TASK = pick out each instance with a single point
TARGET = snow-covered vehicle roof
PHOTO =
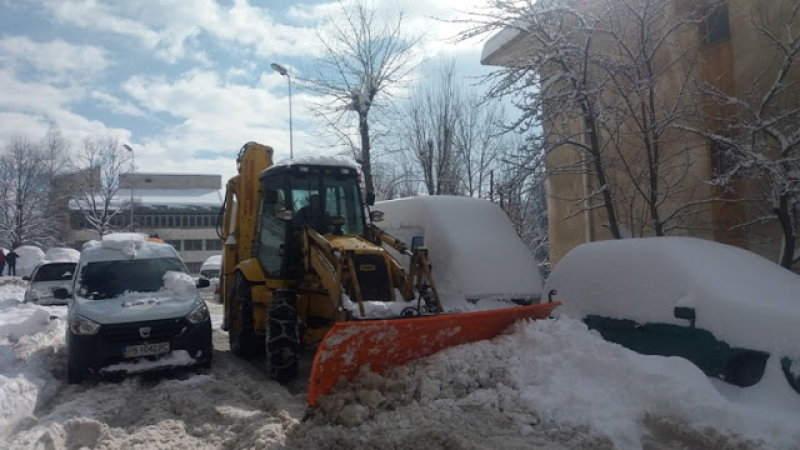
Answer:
(126, 246)
(62, 254)
(212, 262)
(474, 250)
(742, 298)
(316, 160)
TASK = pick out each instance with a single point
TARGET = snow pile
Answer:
(29, 257)
(645, 279)
(37, 322)
(473, 248)
(127, 243)
(549, 384)
(130, 245)
(29, 336)
(62, 254)
(180, 285)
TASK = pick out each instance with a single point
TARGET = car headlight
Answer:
(83, 326)
(199, 314)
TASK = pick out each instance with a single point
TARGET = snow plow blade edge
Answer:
(384, 344)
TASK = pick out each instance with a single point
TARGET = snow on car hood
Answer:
(178, 298)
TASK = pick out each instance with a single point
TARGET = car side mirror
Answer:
(685, 312)
(203, 282)
(370, 198)
(61, 293)
(26, 278)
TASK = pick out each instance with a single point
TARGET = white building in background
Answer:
(182, 209)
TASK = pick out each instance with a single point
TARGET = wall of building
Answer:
(170, 181)
(191, 229)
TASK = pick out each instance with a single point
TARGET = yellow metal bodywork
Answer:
(328, 260)
(239, 219)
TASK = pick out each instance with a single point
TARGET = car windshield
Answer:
(108, 279)
(55, 272)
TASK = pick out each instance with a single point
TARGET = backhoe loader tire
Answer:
(283, 336)
(241, 333)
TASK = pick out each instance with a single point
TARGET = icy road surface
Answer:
(549, 384)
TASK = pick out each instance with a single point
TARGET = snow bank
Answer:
(473, 248)
(28, 335)
(62, 254)
(29, 257)
(548, 384)
(744, 299)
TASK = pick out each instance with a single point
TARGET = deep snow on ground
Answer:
(546, 384)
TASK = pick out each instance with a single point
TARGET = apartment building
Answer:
(729, 53)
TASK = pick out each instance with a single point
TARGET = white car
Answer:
(133, 301)
(211, 267)
(45, 279)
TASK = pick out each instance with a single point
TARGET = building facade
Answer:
(728, 53)
(181, 209)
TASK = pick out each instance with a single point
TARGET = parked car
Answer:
(132, 299)
(45, 279)
(211, 267)
(727, 310)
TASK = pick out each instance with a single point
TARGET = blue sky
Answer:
(185, 83)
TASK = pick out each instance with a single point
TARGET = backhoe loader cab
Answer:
(326, 199)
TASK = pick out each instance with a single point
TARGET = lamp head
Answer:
(278, 68)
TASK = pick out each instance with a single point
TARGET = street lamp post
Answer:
(282, 70)
(133, 168)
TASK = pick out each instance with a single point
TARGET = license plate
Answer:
(133, 351)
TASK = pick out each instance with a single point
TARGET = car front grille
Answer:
(129, 333)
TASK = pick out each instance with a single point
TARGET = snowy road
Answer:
(548, 385)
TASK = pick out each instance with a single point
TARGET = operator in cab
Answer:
(314, 215)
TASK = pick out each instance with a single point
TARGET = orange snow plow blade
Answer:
(384, 344)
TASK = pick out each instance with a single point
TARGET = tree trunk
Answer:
(788, 241)
(366, 165)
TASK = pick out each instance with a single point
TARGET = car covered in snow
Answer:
(211, 267)
(45, 279)
(732, 313)
(132, 307)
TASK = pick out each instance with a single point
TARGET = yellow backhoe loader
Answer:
(303, 261)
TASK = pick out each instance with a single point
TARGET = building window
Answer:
(715, 27)
(723, 158)
(213, 244)
(175, 243)
(192, 244)
(194, 267)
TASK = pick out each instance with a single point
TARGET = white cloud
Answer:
(217, 114)
(171, 28)
(34, 96)
(213, 110)
(57, 60)
(116, 105)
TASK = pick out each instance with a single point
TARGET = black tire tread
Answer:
(242, 339)
(283, 336)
